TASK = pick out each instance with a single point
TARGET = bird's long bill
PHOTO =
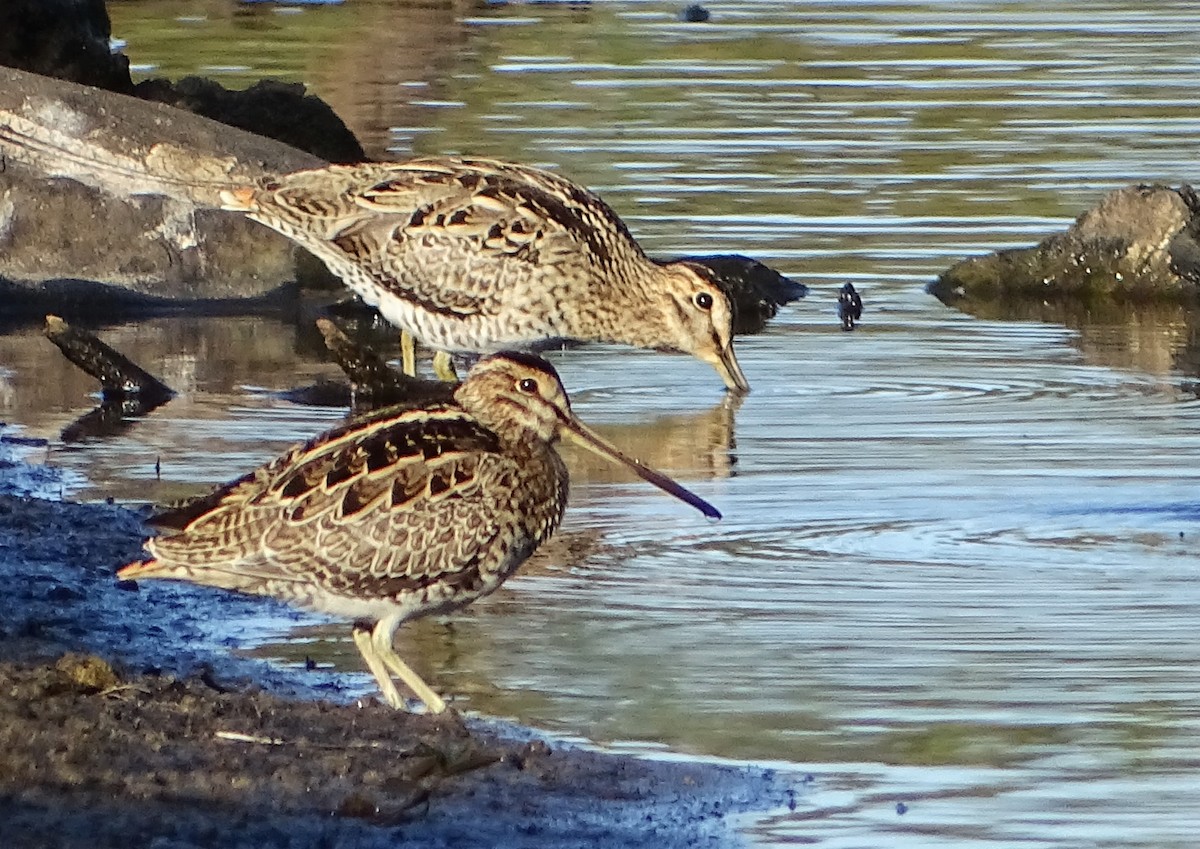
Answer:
(727, 366)
(582, 435)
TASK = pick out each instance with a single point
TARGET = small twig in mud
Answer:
(238, 737)
(423, 760)
(120, 689)
(420, 771)
(119, 376)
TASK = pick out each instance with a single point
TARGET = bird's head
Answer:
(520, 395)
(699, 319)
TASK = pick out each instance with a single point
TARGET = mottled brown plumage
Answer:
(465, 254)
(478, 255)
(403, 513)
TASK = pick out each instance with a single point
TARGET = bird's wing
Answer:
(379, 504)
(449, 234)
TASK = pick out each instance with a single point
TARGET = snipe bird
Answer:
(471, 255)
(477, 255)
(406, 512)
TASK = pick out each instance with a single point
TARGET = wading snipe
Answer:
(480, 255)
(406, 512)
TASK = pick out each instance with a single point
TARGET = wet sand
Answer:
(116, 731)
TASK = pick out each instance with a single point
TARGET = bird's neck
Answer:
(642, 308)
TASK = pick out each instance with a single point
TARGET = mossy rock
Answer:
(1138, 244)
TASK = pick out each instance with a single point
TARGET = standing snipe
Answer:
(406, 512)
(478, 255)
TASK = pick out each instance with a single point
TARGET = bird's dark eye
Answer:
(703, 300)
(528, 386)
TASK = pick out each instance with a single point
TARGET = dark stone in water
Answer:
(695, 14)
(281, 111)
(850, 306)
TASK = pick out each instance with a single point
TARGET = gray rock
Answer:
(108, 197)
(71, 40)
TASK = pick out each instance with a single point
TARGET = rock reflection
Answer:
(1156, 338)
(379, 80)
(110, 417)
(234, 376)
(213, 354)
(376, 62)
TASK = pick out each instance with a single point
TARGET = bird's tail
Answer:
(141, 569)
(240, 198)
(164, 169)
(255, 575)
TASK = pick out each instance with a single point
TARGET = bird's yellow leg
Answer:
(362, 639)
(443, 367)
(381, 639)
(408, 353)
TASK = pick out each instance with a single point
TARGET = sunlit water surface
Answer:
(955, 572)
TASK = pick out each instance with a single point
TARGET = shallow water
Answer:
(956, 566)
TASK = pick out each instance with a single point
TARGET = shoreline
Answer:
(122, 727)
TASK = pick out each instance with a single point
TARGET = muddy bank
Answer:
(121, 726)
(92, 758)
